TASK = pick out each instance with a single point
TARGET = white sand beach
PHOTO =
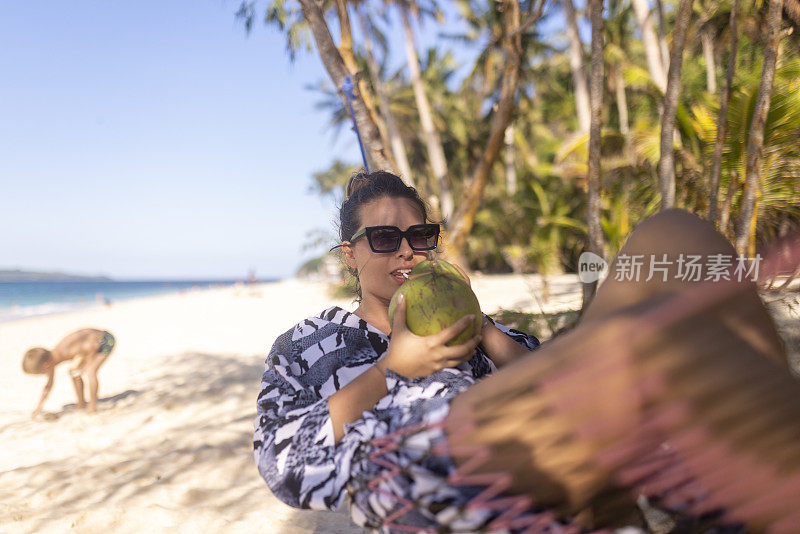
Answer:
(170, 448)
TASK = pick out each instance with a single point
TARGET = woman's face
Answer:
(380, 274)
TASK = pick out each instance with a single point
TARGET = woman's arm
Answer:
(347, 404)
(501, 348)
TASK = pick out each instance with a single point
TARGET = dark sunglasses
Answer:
(388, 238)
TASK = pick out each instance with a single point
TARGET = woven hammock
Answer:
(673, 403)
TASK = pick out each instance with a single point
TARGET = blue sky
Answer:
(150, 139)
(155, 139)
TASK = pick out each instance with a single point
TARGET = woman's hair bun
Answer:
(356, 182)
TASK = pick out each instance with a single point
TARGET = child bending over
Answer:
(87, 348)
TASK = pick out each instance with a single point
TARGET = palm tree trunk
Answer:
(622, 102)
(707, 42)
(334, 64)
(346, 50)
(503, 114)
(595, 132)
(666, 164)
(747, 218)
(662, 35)
(652, 50)
(722, 118)
(725, 213)
(345, 36)
(395, 139)
(624, 128)
(432, 141)
(792, 8)
(576, 63)
(465, 217)
(510, 161)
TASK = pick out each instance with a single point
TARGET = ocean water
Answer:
(28, 299)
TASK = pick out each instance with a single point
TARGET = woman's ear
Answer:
(349, 257)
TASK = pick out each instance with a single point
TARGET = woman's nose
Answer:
(405, 249)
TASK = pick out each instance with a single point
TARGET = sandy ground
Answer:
(170, 447)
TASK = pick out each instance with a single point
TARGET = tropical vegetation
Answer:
(571, 122)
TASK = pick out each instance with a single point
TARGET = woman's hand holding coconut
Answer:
(409, 355)
(416, 356)
(435, 296)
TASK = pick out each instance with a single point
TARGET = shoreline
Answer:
(17, 312)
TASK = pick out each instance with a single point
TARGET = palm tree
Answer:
(593, 174)
(511, 123)
(437, 70)
(510, 160)
(429, 132)
(707, 42)
(616, 55)
(655, 64)
(513, 30)
(709, 17)
(395, 139)
(311, 19)
(485, 71)
(666, 166)
(722, 116)
(779, 187)
(745, 232)
(374, 148)
(348, 55)
(577, 64)
(662, 35)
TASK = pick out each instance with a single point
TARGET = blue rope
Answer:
(348, 91)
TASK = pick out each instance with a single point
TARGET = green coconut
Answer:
(438, 295)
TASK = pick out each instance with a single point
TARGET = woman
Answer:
(347, 413)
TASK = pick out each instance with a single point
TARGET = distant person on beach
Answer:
(87, 349)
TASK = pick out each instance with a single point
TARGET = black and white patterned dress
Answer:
(304, 467)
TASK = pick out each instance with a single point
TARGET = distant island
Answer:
(18, 275)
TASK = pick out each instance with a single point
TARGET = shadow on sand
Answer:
(182, 441)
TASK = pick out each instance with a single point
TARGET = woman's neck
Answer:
(376, 313)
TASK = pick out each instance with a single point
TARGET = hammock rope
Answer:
(347, 89)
